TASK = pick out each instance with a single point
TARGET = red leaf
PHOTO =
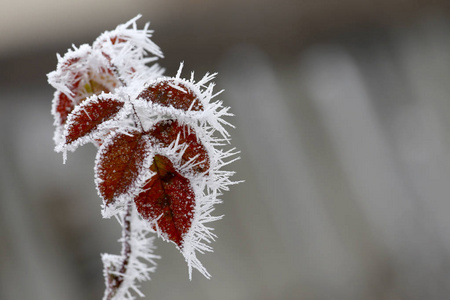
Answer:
(165, 132)
(169, 199)
(118, 164)
(166, 94)
(63, 107)
(86, 118)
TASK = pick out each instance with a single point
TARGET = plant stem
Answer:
(137, 119)
(116, 275)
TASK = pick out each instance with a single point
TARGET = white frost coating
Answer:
(76, 61)
(128, 49)
(140, 261)
(129, 32)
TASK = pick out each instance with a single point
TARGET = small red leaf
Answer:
(118, 164)
(63, 107)
(169, 199)
(171, 93)
(165, 132)
(87, 117)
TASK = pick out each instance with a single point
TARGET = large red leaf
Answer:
(165, 132)
(86, 118)
(171, 93)
(118, 164)
(169, 199)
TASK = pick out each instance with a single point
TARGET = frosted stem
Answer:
(138, 120)
(116, 277)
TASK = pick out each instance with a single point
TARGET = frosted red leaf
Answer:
(86, 118)
(165, 132)
(63, 107)
(169, 199)
(118, 164)
(179, 97)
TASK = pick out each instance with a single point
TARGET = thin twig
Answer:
(116, 277)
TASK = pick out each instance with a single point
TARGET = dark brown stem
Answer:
(136, 117)
(116, 275)
(115, 70)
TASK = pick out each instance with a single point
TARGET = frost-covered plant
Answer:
(159, 164)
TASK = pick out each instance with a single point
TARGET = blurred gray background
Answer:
(343, 120)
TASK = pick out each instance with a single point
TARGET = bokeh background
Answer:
(342, 111)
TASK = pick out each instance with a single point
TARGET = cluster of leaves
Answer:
(159, 163)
